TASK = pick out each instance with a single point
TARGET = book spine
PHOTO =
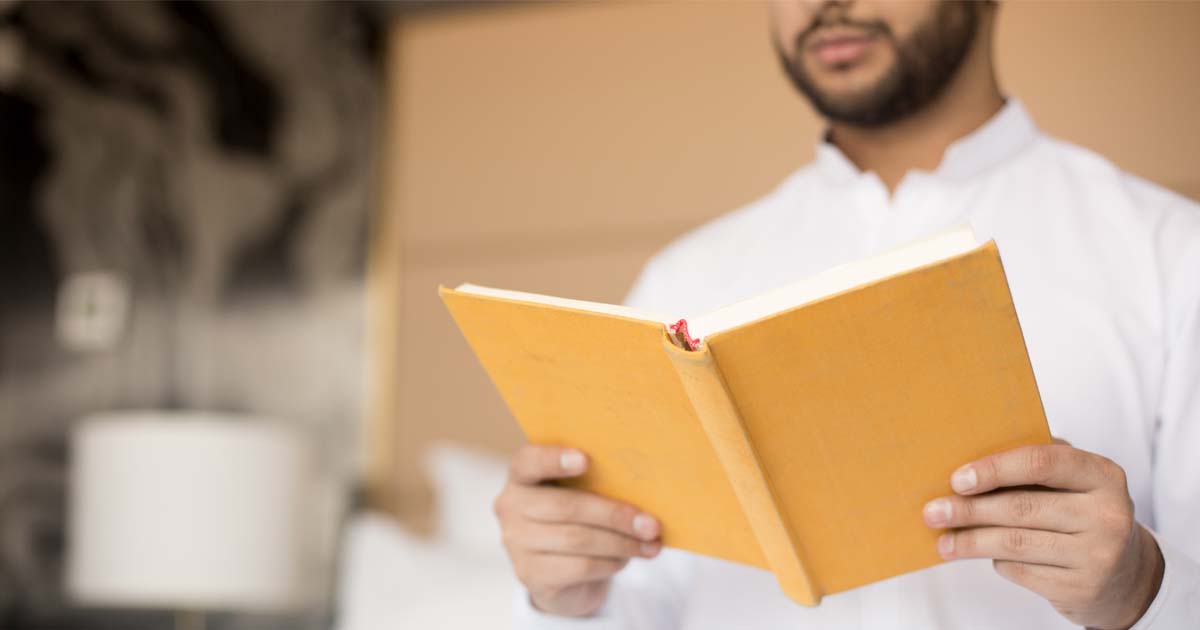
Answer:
(718, 414)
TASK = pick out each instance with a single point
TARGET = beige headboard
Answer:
(554, 147)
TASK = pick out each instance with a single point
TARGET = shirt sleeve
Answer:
(651, 286)
(1176, 477)
(647, 594)
(1177, 605)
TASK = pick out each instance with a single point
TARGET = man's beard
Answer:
(925, 63)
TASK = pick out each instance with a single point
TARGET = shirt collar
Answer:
(996, 141)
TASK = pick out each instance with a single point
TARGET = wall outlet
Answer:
(93, 310)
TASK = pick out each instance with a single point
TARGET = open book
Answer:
(802, 430)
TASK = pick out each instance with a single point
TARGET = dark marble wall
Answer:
(184, 191)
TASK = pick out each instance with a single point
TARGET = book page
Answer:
(823, 284)
(579, 305)
(835, 280)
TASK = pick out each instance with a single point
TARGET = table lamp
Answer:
(191, 512)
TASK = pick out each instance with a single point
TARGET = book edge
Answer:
(444, 291)
(989, 246)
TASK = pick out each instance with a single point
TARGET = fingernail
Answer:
(964, 479)
(645, 526)
(572, 461)
(650, 549)
(945, 546)
(937, 512)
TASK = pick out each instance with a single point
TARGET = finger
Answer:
(553, 569)
(1010, 543)
(564, 505)
(535, 463)
(1054, 466)
(580, 540)
(1030, 509)
(1038, 578)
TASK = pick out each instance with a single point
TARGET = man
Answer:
(1105, 275)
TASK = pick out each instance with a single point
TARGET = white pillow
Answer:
(394, 580)
(466, 482)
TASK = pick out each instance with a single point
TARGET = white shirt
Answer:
(1104, 270)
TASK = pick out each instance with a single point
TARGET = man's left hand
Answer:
(1059, 522)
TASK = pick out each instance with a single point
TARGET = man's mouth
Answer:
(837, 47)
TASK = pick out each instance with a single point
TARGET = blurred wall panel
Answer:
(1121, 78)
(554, 147)
(580, 125)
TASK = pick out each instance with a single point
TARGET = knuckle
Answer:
(1115, 472)
(1119, 475)
(575, 538)
(517, 464)
(1019, 570)
(1039, 462)
(564, 507)
(528, 463)
(1118, 521)
(965, 542)
(1104, 557)
(1127, 506)
(990, 469)
(584, 568)
(621, 516)
(1022, 506)
(1105, 464)
(525, 452)
(1123, 521)
(1015, 540)
(964, 511)
(1013, 570)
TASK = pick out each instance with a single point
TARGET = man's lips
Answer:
(832, 49)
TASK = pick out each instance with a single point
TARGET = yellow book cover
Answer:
(801, 431)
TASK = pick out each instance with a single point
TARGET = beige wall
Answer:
(553, 147)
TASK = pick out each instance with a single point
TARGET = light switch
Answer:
(93, 308)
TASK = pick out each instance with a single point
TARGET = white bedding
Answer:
(393, 580)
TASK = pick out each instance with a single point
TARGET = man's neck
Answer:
(919, 141)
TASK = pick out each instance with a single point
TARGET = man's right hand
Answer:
(566, 544)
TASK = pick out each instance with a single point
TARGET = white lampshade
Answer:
(186, 511)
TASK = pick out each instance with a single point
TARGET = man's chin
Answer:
(848, 102)
(866, 111)
(860, 101)
(857, 96)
